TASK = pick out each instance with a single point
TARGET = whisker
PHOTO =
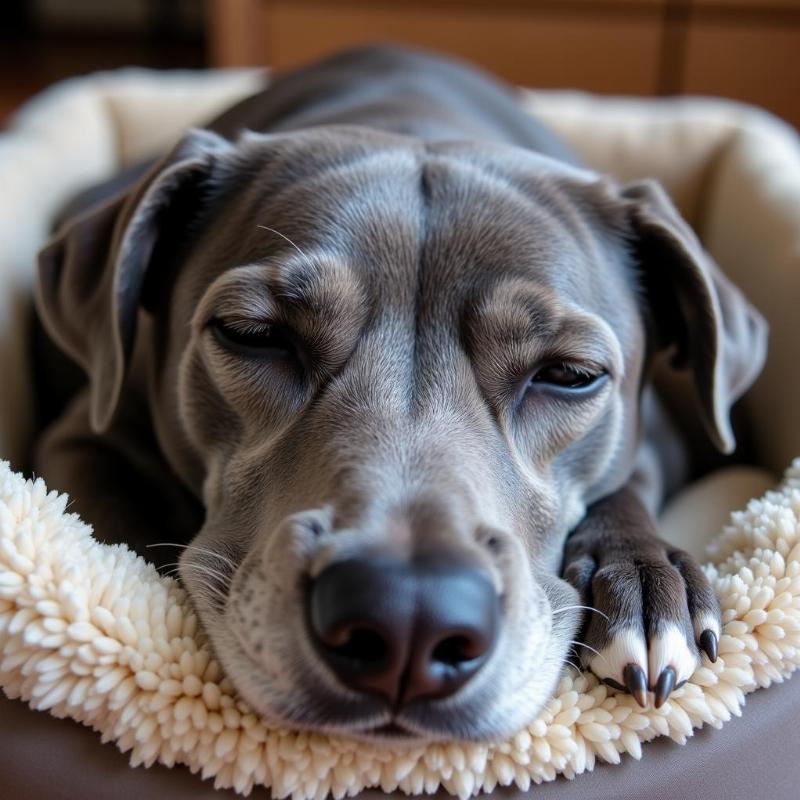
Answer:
(214, 599)
(218, 582)
(568, 663)
(169, 573)
(208, 571)
(586, 608)
(205, 550)
(209, 583)
(588, 647)
(212, 591)
(167, 544)
(287, 239)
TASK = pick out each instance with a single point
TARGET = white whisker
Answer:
(212, 591)
(587, 608)
(225, 579)
(287, 239)
(568, 663)
(198, 549)
(588, 647)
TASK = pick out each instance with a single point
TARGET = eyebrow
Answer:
(319, 297)
(280, 284)
(528, 318)
(518, 317)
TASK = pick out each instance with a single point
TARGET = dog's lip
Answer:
(391, 730)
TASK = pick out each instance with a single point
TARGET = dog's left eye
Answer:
(255, 339)
(563, 375)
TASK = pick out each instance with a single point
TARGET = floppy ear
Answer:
(718, 334)
(92, 272)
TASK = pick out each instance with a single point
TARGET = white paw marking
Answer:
(626, 647)
(705, 622)
(670, 649)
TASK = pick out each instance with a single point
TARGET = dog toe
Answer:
(701, 602)
(622, 664)
(670, 654)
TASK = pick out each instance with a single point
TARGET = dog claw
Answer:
(636, 683)
(708, 644)
(664, 685)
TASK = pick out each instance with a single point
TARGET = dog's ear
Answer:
(92, 272)
(696, 309)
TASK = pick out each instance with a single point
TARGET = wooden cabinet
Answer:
(756, 60)
(737, 48)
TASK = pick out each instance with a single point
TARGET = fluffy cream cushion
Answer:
(92, 632)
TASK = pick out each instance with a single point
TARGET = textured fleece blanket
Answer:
(93, 632)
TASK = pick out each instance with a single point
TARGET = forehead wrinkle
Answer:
(312, 282)
(366, 207)
(583, 335)
(296, 278)
(308, 288)
(536, 196)
(236, 293)
(323, 299)
(549, 188)
(517, 309)
(521, 320)
(498, 224)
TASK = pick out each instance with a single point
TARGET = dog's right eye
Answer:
(253, 339)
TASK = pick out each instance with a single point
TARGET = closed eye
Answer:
(565, 379)
(566, 376)
(254, 339)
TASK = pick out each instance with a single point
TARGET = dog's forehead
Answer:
(419, 230)
(501, 214)
(407, 214)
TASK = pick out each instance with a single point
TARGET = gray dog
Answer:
(380, 353)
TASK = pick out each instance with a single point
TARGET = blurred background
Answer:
(744, 49)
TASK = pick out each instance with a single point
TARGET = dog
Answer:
(392, 369)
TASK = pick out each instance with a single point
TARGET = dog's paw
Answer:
(650, 612)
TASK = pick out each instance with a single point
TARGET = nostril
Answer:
(361, 645)
(359, 620)
(455, 650)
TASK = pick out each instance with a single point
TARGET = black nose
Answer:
(404, 630)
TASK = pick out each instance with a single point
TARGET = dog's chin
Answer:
(390, 735)
(397, 736)
(477, 723)
(298, 696)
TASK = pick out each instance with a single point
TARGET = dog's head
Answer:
(396, 374)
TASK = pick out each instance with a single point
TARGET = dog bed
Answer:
(91, 631)
(737, 179)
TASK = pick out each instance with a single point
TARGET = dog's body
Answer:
(392, 350)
